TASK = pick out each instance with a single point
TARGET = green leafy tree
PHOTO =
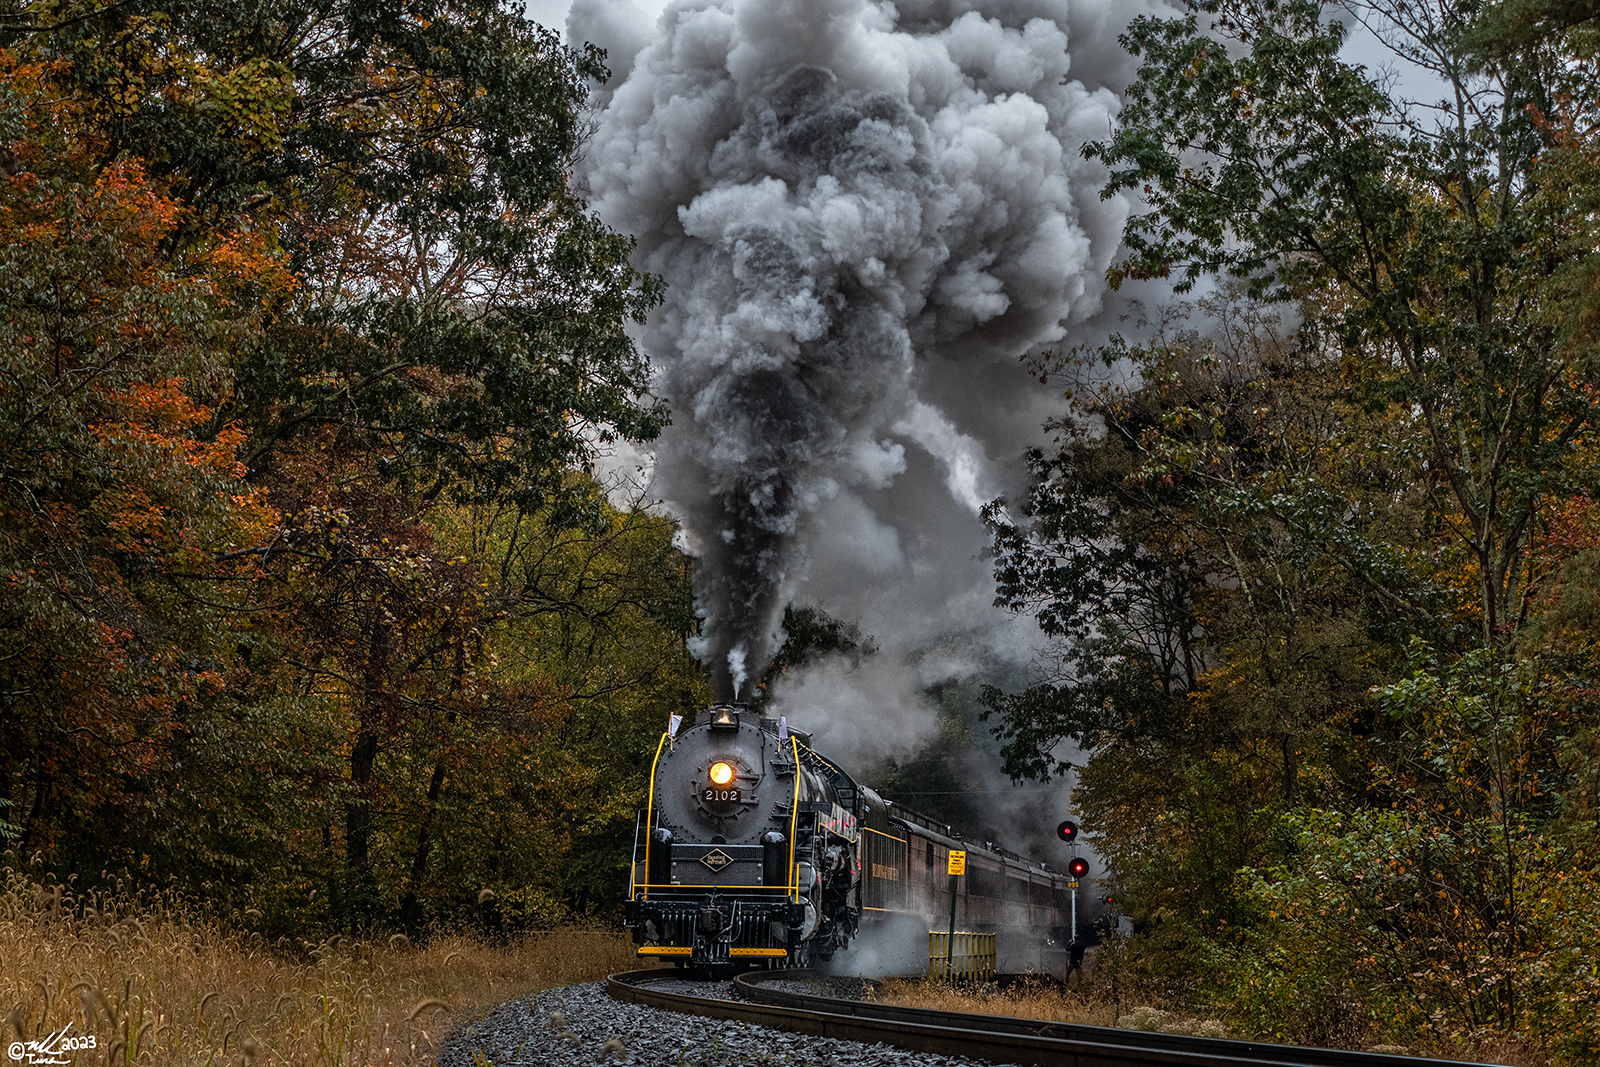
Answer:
(1266, 157)
(536, 786)
(1392, 501)
(1204, 551)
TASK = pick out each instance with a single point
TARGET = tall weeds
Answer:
(1028, 1000)
(153, 981)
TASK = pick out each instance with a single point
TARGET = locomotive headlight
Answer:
(721, 772)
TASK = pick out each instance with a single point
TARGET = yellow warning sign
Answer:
(958, 861)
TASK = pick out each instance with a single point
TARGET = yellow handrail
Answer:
(705, 885)
(649, 817)
(794, 821)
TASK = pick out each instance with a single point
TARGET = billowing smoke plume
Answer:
(866, 212)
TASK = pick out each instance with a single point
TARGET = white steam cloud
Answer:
(865, 212)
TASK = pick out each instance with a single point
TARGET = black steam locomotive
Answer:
(755, 849)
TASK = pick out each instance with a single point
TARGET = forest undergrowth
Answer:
(154, 980)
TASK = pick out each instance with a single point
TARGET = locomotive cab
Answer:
(748, 852)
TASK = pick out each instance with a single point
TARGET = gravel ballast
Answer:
(580, 1024)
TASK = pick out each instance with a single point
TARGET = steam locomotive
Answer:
(755, 850)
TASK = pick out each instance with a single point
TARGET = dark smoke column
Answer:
(833, 189)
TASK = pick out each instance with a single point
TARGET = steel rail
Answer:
(997, 1039)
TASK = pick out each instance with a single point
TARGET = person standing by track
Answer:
(1075, 950)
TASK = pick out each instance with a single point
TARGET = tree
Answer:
(1386, 520)
(125, 517)
(584, 630)
(1290, 168)
(1203, 550)
(1209, 526)
(396, 310)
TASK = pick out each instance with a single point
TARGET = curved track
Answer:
(998, 1039)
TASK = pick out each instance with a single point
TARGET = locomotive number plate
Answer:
(724, 795)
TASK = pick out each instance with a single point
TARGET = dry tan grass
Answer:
(1090, 1005)
(153, 984)
(1023, 1001)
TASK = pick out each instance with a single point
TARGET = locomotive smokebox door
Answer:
(726, 788)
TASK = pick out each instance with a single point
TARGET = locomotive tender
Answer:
(755, 850)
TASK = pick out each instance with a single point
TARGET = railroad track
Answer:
(996, 1038)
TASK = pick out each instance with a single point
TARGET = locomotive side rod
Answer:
(997, 1039)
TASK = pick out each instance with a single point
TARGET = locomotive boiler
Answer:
(754, 850)
(748, 849)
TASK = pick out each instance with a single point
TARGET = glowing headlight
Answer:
(721, 773)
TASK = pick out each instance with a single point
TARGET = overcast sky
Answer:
(553, 13)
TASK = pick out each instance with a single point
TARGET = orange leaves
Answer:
(98, 224)
(118, 204)
(115, 334)
(123, 200)
(152, 444)
(163, 405)
(248, 257)
(1574, 526)
(27, 85)
(125, 519)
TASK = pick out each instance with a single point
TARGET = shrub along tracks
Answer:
(998, 1039)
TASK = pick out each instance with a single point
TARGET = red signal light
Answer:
(1078, 867)
(1067, 831)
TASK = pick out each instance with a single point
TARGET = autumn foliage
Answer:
(1316, 544)
(119, 488)
(308, 597)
